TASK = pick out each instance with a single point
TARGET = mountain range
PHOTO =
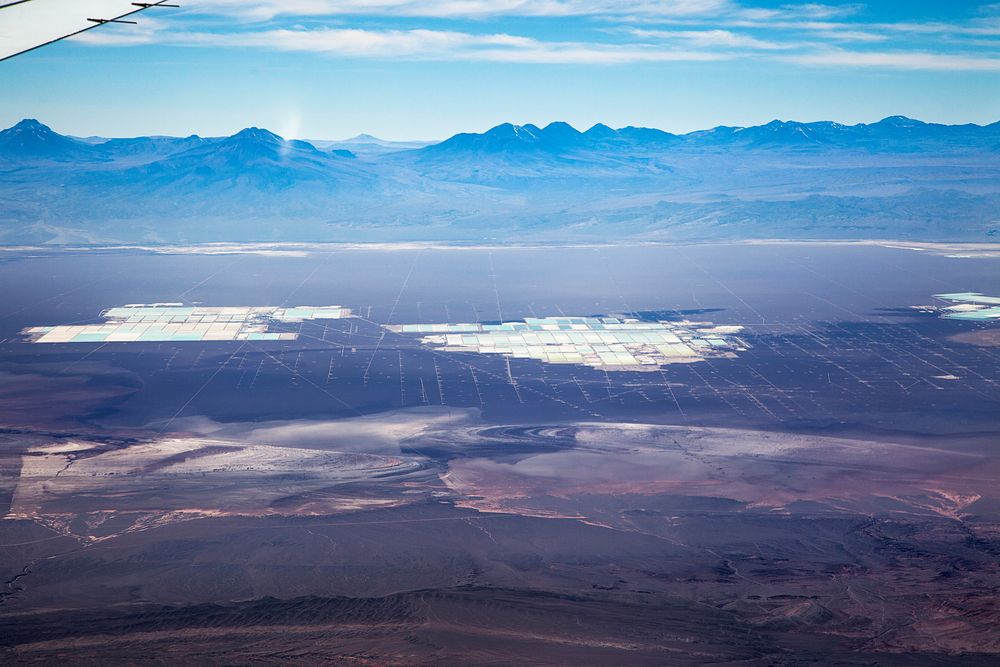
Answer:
(898, 178)
(896, 133)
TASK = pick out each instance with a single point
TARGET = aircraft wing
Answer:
(26, 25)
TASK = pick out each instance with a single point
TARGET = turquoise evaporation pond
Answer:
(148, 312)
(531, 324)
(971, 297)
(90, 338)
(979, 315)
(163, 337)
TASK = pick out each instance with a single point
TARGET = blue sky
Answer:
(417, 69)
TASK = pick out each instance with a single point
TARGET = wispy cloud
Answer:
(268, 9)
(899, 60)
(422, 44)
(629, 31)
(851, 36)
(713, 39)
(147, 31)
(809, 11)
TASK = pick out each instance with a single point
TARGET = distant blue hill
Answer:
(30, 140)
(894, 134)
(145, 148)
(257, 158)
(896, 178)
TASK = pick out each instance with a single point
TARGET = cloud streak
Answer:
(723, 39)
(628, 32)
(420, 44)
(269, 9)
(899, 60)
